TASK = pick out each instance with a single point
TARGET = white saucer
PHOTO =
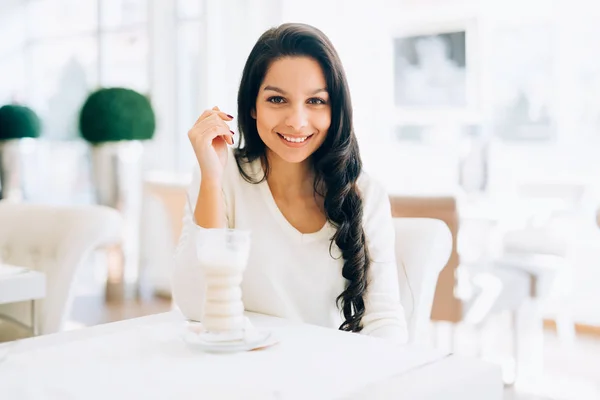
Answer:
(250, 339)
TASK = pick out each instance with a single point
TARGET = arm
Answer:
(209, 137)
(205, 209)
(210, 206)
(384, 315)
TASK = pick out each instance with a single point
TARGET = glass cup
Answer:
(223, 256)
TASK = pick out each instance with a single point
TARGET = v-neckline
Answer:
(326, 230)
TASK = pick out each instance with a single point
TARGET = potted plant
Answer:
(19, 127)
(116, 121)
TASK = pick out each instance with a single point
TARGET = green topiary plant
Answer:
(114, 114)
(18, 122)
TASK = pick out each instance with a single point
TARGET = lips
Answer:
(294, 141)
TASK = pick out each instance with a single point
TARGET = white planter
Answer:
(17, 169)
(118, 182)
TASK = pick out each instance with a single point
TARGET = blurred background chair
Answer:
(517, 258)
(164, 205)
(55, 240)
(446, 306)
(423, 247)
(543, 246)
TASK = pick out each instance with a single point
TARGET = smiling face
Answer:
(293, 111)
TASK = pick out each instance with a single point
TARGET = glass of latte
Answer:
(223, 255)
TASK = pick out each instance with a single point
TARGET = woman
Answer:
(322, 234)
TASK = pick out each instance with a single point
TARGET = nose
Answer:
(297, 118)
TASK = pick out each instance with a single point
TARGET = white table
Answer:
(21, 284)
(145, 358)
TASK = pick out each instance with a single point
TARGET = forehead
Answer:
(295, 74)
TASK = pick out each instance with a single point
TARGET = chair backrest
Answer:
(446, 305)
(171, 191)
(423, 247)
(55, 240)
(165, 202)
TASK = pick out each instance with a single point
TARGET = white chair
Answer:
(55, 240)
(423, 247)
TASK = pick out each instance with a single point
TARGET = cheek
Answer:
(265, 117)
(322, 121)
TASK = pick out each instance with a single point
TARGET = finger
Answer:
(203, 116)
(211, 132)
(212, 120)
(215, 119)
(224, 115)
(207, 113)
(228, 139)
(218, 124)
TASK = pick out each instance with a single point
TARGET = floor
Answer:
(570, 372)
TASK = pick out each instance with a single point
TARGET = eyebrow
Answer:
(279, 90)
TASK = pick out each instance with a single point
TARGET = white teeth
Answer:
(295, 140)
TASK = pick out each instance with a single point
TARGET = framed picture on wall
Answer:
(436, 71)
(430, 70)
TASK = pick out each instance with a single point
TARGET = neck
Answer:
(289, 180)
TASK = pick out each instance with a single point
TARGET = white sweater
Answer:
(290, 274)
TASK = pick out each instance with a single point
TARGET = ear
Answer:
(253, 113)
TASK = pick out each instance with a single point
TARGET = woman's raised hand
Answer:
(209, 137)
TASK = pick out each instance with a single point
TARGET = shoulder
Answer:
(374, 195)
(377, 219)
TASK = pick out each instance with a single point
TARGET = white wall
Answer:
(363, 37)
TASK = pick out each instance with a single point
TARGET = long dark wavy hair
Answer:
(337, 163)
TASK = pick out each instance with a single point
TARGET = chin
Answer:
(294, 156)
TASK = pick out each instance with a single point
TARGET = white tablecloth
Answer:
(146, 358)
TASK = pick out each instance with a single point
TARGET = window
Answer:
(118, 14)
(125, 60)
(61, 18)
(63, 72)
(188, 77)
(61, 50)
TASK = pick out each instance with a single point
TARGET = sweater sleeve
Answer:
(384, 315)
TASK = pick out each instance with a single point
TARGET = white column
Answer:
(161, 153)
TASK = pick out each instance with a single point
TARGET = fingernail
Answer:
(230, 116)
(232, 132)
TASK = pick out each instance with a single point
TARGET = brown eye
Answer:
(316, 101)
(276, 100)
